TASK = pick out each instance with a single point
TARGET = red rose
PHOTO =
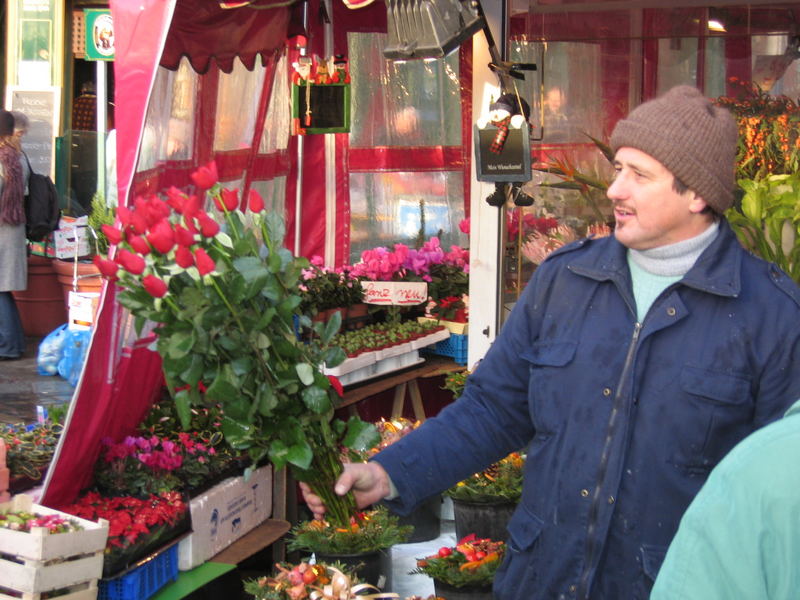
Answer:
(229, 200)
(157, 210)
(132, 263)
(139, 244)
(206, 176)
(161, 237)
(183, 236)
(113, 234)
(184, 257)
(108, 268)
(191, 206)
(256, 201)
(189, 223)
(176, 199)
(337, 385)
(208, 226)
(124, 215)
(155, 287)
(138, 222)
(205, 264)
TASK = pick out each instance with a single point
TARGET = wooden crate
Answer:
(40, 545)
(35, 562)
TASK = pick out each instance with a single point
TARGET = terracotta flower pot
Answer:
(88, 280)
(41, 306)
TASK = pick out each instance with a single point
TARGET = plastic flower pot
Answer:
(450, 592)
(484, 520)
(370, 567)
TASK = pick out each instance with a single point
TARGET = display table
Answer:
(401, 381)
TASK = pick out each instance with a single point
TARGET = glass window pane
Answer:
(385, 209)
(274, 194)
(411, 103)
(677, 63)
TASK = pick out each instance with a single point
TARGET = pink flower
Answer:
(463, 225)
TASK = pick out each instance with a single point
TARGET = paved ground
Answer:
(22, 388)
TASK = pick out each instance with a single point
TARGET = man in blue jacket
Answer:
(630, 366)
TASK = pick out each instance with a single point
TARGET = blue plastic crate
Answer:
(455, 346)
(143, 581)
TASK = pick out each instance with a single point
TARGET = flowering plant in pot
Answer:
(364, 545)
(224, 299)
(501, 481)
(484, 503)
(323, 288)
(299, 582)
(471, 563)
(137, 526)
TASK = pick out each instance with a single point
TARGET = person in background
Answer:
(13, 246)
(629, 367)
(740, 536)
(84, 108)
(21, 126)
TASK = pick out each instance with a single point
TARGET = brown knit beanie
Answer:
(691, 137)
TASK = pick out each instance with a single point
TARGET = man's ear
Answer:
(696, 204)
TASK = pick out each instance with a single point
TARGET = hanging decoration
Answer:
(321, 95)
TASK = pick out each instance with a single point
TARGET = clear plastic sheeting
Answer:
(238, 97)
(396, 103)
(386, 208)
(169, 125)
(279, 113)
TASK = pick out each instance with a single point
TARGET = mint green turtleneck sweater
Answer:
(653, 270)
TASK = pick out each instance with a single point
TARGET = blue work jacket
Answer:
(622, 420)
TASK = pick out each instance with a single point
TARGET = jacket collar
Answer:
(717, 271)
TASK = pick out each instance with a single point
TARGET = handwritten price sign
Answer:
(403, 293)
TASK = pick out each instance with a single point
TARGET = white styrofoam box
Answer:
(67, 244)
(225, 513)
(40, 544)
(82, 309)
(69, 224)
(430, 339)
(402, 293)
(351, 364)
(395, 350)
(381, 367)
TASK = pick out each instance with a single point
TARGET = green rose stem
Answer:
(322, 474)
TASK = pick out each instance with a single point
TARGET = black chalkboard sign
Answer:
(330, 108)
(42, 109)
(513, 163)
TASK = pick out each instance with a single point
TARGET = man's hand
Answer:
(369, 483)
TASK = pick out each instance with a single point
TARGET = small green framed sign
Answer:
(320, 108)
(99, 34)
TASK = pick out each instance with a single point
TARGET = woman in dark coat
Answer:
(13, 259)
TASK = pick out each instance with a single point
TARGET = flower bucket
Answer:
(426, 520)
(450, 592)
(484, 520)
(373, 567)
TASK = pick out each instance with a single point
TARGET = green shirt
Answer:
(740, 537)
